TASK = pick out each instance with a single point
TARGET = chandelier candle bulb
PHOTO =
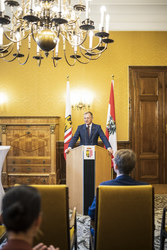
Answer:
(2, 6)
(87, 9)
(37, 49)
(59, 5)
(17, 46)
(102, 10)
(107, 23)
(18, 38)
(75, 43)
(57, 47)
(29, 39)
(32, 4)
(90, 39)
(73, 15)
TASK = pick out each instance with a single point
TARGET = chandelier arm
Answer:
(90, 59)
(93, 59)
(33, 35)
(23, 38)
(7, 54)
(15, 15)
(6, 46)
(91, 50)
(55, 64)
(84, 39)
(26, 58)
(14, 41)
(79, 44)
(68, 61)
(83, 62)
(9, 39)
(11, 59)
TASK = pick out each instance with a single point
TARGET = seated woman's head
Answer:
(21, 206)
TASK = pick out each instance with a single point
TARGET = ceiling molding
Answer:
(134, 15)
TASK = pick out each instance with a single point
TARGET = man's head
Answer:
(124, 161)
(88, 117)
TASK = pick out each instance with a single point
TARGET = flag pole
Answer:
(111, 121)
(68, 120)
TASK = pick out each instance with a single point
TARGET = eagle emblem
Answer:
(111, 126)
(68, 123)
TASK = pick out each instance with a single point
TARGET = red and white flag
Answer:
(68, 121)
(111, 125)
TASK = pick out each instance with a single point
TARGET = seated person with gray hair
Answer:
(21, 215)
(124, 163)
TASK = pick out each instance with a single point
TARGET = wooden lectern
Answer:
(86, 168)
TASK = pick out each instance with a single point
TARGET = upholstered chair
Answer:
(124, 218)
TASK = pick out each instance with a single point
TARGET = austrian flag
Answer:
(111, 125)
(68, 121)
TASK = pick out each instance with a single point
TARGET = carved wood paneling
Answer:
(32, 156)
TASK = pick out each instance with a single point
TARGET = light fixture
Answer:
(52, 24)
(81, 105)
(81, 99)
(3, 98)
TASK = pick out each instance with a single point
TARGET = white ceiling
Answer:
(128, 15)
(139, 15)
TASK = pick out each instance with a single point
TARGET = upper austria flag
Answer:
(68, 121)
(111, 125)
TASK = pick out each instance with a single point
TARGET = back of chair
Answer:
(124, 218)
(55, 216)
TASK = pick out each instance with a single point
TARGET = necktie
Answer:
(88, 130)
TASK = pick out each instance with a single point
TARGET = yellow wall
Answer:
(40, 91)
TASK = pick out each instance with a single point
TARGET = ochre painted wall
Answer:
(40, 91)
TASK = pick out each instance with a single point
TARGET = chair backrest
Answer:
(55, 216)
(124, 218)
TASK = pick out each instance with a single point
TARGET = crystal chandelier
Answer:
(51, 23)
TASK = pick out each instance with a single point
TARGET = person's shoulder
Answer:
(142, 183)
(107, 183)
(133, 181)
(96, 125)
(81, 126)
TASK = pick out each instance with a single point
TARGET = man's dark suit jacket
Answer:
(96, 131)
(122, 180)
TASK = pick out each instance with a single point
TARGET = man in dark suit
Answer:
(89, 133)
(124, 163)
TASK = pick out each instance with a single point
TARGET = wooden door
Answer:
(148, 118)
